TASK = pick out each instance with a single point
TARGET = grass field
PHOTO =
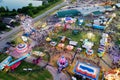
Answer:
(19, 74)
(80, 36)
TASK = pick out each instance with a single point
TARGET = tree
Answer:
(2, 9)
(19, 10)
(2, 27)
(13, 10)
(30, 13)
(7, 10)
(30, 5)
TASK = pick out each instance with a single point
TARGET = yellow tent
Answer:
(48, 39)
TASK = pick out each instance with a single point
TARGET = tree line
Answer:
(29, 10)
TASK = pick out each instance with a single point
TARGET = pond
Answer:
(15, 4)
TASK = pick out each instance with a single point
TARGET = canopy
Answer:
(48, 39)
(38, 53)
(24, 38)
(61, 45)
(69, 20)
(58, 25)
(89, 52)
(69, 47)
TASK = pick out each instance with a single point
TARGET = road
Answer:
(49, 11)
(8, 35)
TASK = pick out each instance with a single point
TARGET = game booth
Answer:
(87, 70)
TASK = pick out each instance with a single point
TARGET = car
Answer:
(8, 43)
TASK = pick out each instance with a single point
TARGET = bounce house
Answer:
(87, 70)
(62, 63)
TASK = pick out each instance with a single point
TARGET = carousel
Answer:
(20, 50)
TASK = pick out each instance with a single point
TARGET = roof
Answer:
(70, 12)
(74, 43)
(8, 20)
(118, 5)
(96, 13)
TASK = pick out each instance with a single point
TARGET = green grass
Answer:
(73, 0)
(81, 35)
(19, 74)
(18, 40)
(46, 9)
(3, 56)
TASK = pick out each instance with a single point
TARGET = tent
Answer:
(98, 27)
(61, 45)
(80, 21)
(48, 39)
(69, 47)
(69, 20)
(75, 32)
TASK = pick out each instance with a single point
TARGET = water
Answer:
(15, 4)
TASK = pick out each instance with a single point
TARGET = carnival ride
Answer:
(112, 74)
(103, 43)
(62, 63)
(7, 65)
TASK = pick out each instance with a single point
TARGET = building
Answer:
(8, 20)
(69, 12)
(117, 5)
(95, 10)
